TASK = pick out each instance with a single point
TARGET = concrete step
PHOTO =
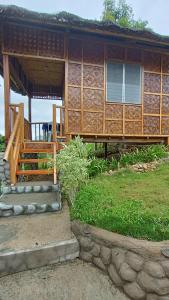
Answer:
(22, 260)
(31, 187)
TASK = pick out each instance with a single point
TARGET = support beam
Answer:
(6, 75)
(29, 109)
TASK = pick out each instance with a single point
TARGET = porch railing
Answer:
(16, 139)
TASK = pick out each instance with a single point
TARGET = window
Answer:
(124, 83)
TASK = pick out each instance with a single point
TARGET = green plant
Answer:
(72, 163)
(97, 166)
(2, 143)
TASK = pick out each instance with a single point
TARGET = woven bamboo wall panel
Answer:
(114, 111)
(151, 125)
(114, 127)
(165, 125)
(25, 40)
(134, 55)
(134, 127)
(74, 74)
(165, 81)
(152, 83)
(165, 63)
(133, 112)
(115, 52)
(74, 97)
(165, 105)
(92, 122)
(93, 99)
(151, 104)
(74, 121)
(152, 61)
(75, 50)
(93, 76)
(93, 53)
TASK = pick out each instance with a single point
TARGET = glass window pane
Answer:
(114, 82)
(132, 83)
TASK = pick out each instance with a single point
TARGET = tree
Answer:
(121, 14)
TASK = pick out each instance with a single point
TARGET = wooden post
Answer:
(6, 75)
(105, 150)
(29, 109)
(54, 123)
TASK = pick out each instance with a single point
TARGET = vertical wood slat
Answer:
(61, 121)
(54, 167)
(105, 76)
(142, 92)
(82, 67)
(66, 83)
(6, 74)
(35, 132)
(54, 123)
(161, 94)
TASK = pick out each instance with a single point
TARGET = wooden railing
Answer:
(58, 127)
(16, 139)
(38, 133)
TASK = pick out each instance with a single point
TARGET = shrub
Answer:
(2, 143)
(72, 163)
(97, 166)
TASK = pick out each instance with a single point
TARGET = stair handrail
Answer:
(14, 144)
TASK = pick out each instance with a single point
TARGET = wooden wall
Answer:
(87, 111)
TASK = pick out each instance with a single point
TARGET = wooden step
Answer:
(35, 172)
(36, 151)
(33, 160)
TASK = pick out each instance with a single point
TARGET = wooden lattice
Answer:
(165, 82)
(26, 40)
(92, 122)
(114, 126)
(165, 125)
(134, 127)
(115, 52)
(74, 121)
(133, 112)
(74, 74)
(151, 104)
(93, 76)
(93, 99)
(165, 105)
(165, 63)
(151, 125)
(114, 111)
(152, 83)
(74, 97)
(93, 53)
(75, 50)
(152, 61)
(134, 55)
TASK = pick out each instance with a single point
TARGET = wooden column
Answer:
(6, 75)
(29, 109)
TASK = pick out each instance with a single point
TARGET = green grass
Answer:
(133, 204)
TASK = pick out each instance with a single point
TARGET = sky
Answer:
(154, 11)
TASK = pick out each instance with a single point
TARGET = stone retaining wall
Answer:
(4, 170)
(140, 268)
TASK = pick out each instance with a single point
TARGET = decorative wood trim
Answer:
(6, 74)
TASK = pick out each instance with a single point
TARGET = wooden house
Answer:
(113, 82)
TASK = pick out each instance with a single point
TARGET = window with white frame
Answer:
(123, 83)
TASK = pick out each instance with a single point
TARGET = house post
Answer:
(29, 109)
(6, 75)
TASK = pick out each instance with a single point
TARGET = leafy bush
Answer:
(2, 143)
(97, 166)
(72, 163)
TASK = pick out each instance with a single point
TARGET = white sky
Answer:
(154, 11)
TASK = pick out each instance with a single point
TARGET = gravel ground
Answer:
(71, 281)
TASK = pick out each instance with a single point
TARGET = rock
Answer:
(20, 189)
(40, 208)
(134, 291)
(86, 256)
(18, 209)
(45, 188)
(4, 206)
(7, 213)
(28, 189)
(134, 260)
(164, 297)
(37, 188)
(6, 190)
(127, 273)
(154, 269)
(165, 265)
(95, 250)
(98, 262)
(55, 206)
(86, 243)
(30, 209)
(152, 284)
(118, 257)
(115, 276)
(152, 297)
(165, 252)
(1, 169)
(105, 255)
(55, 188)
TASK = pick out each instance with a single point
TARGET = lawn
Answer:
(133, 204)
